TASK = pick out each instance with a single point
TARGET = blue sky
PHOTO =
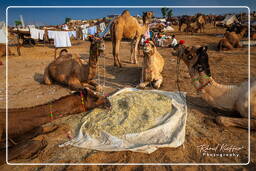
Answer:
(56, 16)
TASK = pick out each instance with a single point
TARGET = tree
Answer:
(67, 20)
(169, 13)
(17, 23)
(164, 11)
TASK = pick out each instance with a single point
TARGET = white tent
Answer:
(229, 19)
(2, 32)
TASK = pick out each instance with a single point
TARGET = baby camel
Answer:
(226, 97)
(72, 72)
(152, 66)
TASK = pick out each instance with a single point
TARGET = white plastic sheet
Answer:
(168, 132)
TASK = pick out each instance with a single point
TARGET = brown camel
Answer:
(26, 123)
(225, 97)
(231, 40)
(200, 21)
(127, 26)
(72, 71)
(152, 66)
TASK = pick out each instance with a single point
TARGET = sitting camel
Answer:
(72, 71)
(127, 26)
(231, 40)
(225, 97)
(152, 66)
(26, 123)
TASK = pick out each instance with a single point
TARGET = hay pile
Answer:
(131, 112)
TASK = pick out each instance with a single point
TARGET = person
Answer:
(174, 42)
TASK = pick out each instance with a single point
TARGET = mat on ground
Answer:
(168, 129)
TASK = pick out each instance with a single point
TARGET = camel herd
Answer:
(80, 76)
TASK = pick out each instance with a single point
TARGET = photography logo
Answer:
(220, 150)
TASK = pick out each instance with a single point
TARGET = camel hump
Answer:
(126, 13)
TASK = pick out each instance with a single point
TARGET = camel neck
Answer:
(220, 96)
(22, 120)
(92, 71)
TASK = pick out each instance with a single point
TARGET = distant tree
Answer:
(169, 13)
(164, 11)
(17, 23)
(67, 20)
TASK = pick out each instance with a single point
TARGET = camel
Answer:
(224, 97)
(200, 21)
(26, 123)
(152, 66)
(231, 40)
(72, 71)
(127, 26)
(185, 19)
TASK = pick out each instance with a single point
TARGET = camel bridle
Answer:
(178, 83)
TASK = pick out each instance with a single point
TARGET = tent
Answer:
(2, 32)
(229, 19)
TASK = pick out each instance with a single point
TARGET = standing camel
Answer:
(200, 21)
(225, 97)
(72, 72)
(127, 26)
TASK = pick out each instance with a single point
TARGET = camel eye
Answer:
(190, 57)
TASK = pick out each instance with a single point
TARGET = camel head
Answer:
(196, 59)
(149, 48)
(94, 99)
(97, 47)
(147, 16)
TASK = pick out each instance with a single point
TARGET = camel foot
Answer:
(99, 88)
(142, 85)
(49, 129)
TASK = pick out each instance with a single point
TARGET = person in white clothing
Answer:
(174, 42)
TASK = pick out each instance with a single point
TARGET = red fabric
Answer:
(146, 41)
(182, 42)
(1, 63)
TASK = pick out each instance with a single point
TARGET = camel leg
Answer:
(132, 51)
(114, 51)
(158, 82)
(74, 83)
(143, 84)
(136, 50)
(117, 49)
(47, 79)
(89, 86)
(97, 86)
(235, 122)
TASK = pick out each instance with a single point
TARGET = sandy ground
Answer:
(230, 67)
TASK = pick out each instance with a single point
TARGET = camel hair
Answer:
(72, 71)
(127, 26)
(225, 97)
(152, 66)
(231, 40)
(26, 123)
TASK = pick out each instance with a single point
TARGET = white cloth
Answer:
(51, 34)
(34, 33)
(41, 34)
(102, 27)
(174, 42)
(3, 36)
(168, 132)
(61, 39)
